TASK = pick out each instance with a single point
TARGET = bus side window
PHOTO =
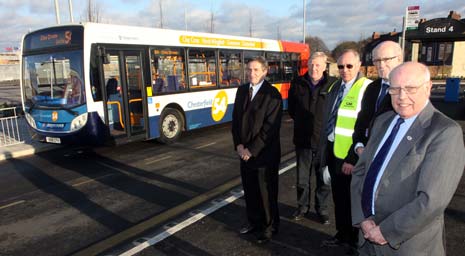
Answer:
(275, 73)
(230, 68)
(168, 71)
(202, 68)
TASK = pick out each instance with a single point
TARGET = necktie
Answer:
(384, 88)
(332, 117)
(373, 170)
(249, 98)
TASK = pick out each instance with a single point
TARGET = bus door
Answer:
(124, 83)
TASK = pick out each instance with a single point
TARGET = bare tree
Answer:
(93, 11)
(316, 44)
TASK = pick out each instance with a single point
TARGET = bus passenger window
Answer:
(230, 68)
(202, 68)
(275, 73)
(168, 72)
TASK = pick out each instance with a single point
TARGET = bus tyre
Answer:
(171, 126)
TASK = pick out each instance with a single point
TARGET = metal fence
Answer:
(9, 128)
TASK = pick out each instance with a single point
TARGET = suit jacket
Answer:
(417, 184)
(306, 108)
(256, 124)
(330, 100)
(368, 113)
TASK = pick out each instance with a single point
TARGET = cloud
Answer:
(333, 21)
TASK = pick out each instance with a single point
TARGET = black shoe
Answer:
(247, 229)
(324, 219)
(262, 238)
(332, 242)
(298, 214)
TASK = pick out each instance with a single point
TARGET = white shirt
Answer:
(255, 88)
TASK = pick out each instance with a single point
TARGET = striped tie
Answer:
(332, 117)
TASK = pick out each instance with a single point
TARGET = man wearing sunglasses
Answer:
(342, 106)
(408, 172)
(386, 56)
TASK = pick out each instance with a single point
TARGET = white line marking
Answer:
(91, 180)
(157, 160)
(170, 231)
(206, 145)
(12, 204)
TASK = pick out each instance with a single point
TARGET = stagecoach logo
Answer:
(54, 116)
(219, 106)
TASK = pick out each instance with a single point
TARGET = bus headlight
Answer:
(30, 120)
(78, 122)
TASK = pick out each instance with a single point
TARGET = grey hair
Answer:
(318, 55)
(353, 51)
(261, 60)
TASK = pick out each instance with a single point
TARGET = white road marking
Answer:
(206, 145)
(91, 180)
(172, 230)
(157, 160)
(12, 204)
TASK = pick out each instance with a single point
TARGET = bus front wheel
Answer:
(171, 125)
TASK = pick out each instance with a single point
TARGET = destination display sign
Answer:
(213, 41)
(53, 37)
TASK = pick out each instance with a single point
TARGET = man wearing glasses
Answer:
(386, 56)
(408, 172)
(342, 106)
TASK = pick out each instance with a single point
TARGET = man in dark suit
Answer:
(342, 107)
(255, 129)
(386, 56)
(307, 97)
(408, 172)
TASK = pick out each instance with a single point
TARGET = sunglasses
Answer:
(348, 66)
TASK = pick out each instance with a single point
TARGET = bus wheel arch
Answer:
(172, 124)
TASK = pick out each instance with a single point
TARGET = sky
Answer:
(333, 21)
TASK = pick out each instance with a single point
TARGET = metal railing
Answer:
(9, 128)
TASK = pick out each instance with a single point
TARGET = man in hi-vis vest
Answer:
(342, 106)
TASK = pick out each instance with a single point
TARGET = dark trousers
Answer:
(261, 196)
(340, 186)
(305, 164)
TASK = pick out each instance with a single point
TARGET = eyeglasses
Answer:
(407, 89)
(348, 66)
(378, 61)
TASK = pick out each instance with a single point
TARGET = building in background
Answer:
(439, 43)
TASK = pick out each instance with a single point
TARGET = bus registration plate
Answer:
(54, 140)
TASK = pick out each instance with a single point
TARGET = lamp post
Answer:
(70, 4)
(57, 12)
(304, 19)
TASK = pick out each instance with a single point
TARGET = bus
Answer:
(95, 83)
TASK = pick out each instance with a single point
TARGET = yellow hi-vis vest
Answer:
(347, 116)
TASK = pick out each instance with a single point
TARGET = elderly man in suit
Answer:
(386, 56)
(408, 172)
(255, 129)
